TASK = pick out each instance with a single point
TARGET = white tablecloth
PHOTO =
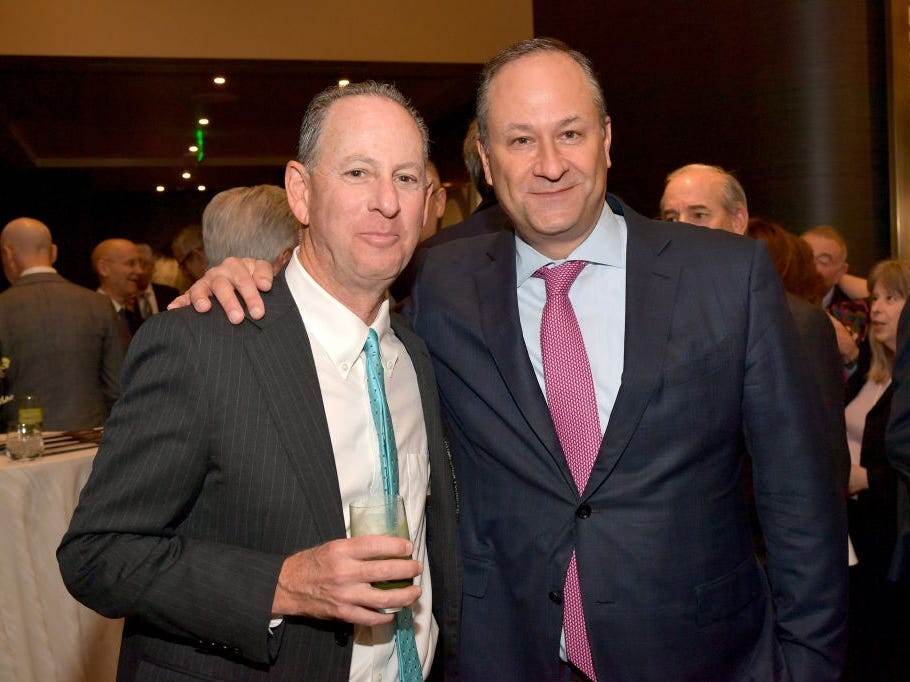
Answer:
(45, 634)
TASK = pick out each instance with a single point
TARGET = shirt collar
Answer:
(606, 245)
(337, 329)
(35, 269)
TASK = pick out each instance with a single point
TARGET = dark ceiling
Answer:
(130, 121)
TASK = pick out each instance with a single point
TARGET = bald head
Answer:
(705, 195)
(25, 243)
(119, 268)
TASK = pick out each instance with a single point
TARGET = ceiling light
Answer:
(186, 175)
(159, 188)
(219, 80)
(193, 148)
(343, 83)
(201, 188)
(203, 121)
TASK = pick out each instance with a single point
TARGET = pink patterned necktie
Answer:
(573, 406)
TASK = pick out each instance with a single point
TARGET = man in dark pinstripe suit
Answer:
(217, 524)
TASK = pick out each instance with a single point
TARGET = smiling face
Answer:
(119, 268)
(830, 258)
(696, 196)
(547, 150)
(362, 201)
(884, 314)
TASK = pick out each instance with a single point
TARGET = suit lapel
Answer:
(498, 303)
(281, 356)
(651, 286)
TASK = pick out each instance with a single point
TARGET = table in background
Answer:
(45, 634)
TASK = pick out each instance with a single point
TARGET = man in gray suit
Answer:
(217, 525)
(62, 339)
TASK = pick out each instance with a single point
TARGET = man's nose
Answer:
(550, 162)
(385, 197)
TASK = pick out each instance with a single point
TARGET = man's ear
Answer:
(53, 253)
(608, 138)
(439, 198)
(297, 184)
(486, 163)
(740, 220)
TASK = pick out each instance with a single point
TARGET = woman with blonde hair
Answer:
(877, 606)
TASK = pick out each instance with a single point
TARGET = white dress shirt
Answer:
(337, 337)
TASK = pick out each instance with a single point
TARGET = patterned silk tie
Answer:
(409, 668)
(573, 406)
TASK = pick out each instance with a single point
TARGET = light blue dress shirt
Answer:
(598, 297)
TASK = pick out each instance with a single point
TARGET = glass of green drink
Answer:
(381, 515)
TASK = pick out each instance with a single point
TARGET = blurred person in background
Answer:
(189, 253)
(119, 269)
(250, 221)
(879, 609)
(62, 340)
(152, 297)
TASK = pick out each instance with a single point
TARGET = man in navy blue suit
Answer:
(694, 359)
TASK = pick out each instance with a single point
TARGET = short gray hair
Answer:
(732, 195)
(254, 222)
(314, 118)
(522, 49)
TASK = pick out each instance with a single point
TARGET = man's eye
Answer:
(357, 173)
(407, 179)
(521, 140)
(571, 134)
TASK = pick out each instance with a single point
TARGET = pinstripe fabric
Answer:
(64, 347)
(215, 465)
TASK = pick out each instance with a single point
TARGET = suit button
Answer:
(583, 512)
(341, 638)
(555, 597)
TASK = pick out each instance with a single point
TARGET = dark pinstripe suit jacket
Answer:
(215, 465)
(64, 347)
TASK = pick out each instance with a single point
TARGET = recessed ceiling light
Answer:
(219, 80)
(186, 175)
(203, 121)
(193, 148)
(159, 188)
(201, 188)
(343, 83)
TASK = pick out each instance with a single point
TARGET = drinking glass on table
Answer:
(381, 515)
(23, 436)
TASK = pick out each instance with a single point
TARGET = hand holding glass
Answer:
(381, 515)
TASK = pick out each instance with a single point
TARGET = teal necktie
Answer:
(409, 668)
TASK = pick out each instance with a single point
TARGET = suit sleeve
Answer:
(124, 554)
(800, 506)
(111, 359)
(897, 440)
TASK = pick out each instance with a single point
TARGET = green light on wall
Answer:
(200, 143)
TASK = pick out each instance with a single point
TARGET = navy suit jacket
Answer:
(216, 464)
(670, 585)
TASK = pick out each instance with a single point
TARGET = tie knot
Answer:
(559, 278)
(371, 347)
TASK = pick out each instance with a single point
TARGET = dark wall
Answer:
(790, 94)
